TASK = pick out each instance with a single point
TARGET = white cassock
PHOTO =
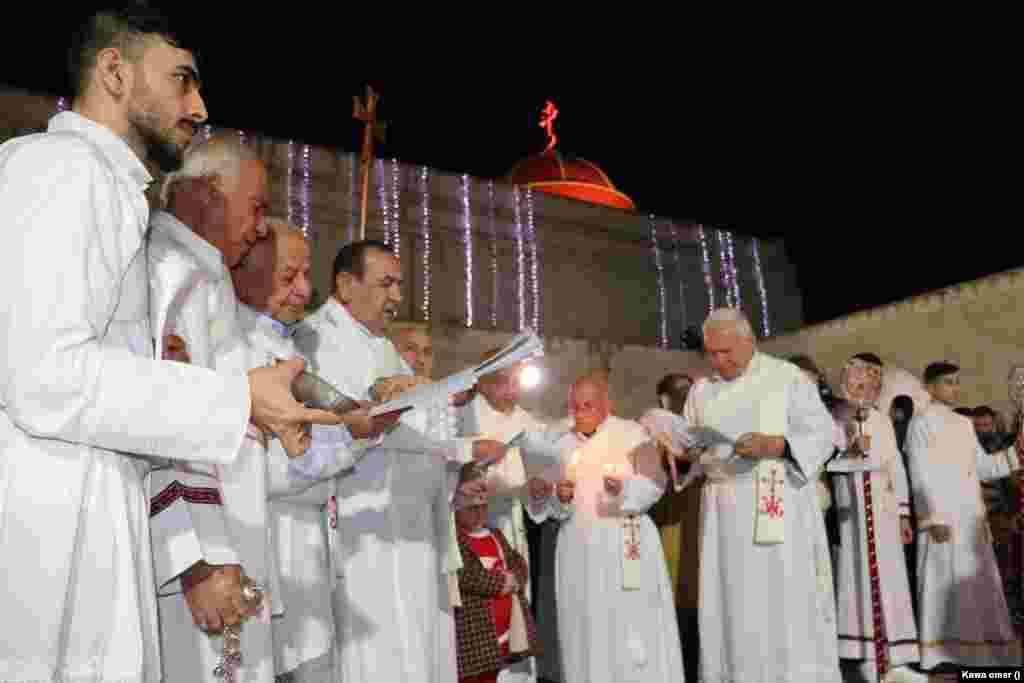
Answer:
(871, 554)
(963, 616)
(508, 479)
(299, 490)
(216, 514)
(393, 522)
(767, 610)
(80, 392)
(616, 610)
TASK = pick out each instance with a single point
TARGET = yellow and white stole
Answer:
(765, 383)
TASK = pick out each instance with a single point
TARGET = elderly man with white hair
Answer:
(767, 611)
(209, 524)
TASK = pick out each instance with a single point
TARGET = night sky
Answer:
(880, 172)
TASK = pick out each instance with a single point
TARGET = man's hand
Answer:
(612, 485)
(389, 388)
(484, 449)
(175, 348)
(539, 488)
(906, 531)
(940, 533)
(755, 445)
(275, 410)
(362, 426)
(214, 595)
(566, 491)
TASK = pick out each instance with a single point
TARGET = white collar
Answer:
(117, 151)
(262, 321)
(209, 257)
(338, 315)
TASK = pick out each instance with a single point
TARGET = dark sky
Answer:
(881, 168)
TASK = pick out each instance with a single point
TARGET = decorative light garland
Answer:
(534, 260)
(733, 272)
(766, 325)
(382, 199)
(206, 131)
(396, 211)
(425, 232)
(62, 105)
(520, 271)
(290, 209)
(307, 192)
(679, 274)
(709, 280)
(662, 318)
(467, 236)
(492, 215)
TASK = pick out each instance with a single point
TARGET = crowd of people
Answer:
(169, 511)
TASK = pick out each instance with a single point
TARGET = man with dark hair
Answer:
(963, 614)
(393, 510)
(84, 401)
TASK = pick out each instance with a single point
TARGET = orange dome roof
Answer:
(569, 177)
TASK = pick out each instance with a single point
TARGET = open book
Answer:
(524, 346)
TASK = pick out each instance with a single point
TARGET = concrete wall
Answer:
(575, 270)
(977, 325)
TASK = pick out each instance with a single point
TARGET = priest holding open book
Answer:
(767, 611)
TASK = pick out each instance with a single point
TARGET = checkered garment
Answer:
(475, 632)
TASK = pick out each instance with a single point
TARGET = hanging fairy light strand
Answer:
(382, 199)
(520, 271)
(534, 260)
(396, 240)
(467, 236)
(307, 192)
(289, 199)
(766, 324)
(62, 105)
(709, 280)
(660, 270)
(733, 271)
(723, 269)
(425, 232)
(492, 219)
(679, 274)
(353, 196)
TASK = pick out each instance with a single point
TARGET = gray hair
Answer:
(729, 319)
(219, 157)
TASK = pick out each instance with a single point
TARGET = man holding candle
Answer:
(616, 615)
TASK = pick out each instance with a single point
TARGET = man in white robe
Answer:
(494, 413)
(209, 524)
(273, 286)
(393, 510)
(616, 610)
(84, 401)
(877, 638)
(767, 607)
(963, 616)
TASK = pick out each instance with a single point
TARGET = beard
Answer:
(160, 140)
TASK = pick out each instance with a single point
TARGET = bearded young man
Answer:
(84, 400)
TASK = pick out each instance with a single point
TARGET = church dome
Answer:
(575, 178)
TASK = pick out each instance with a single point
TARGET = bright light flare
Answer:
(530, 376)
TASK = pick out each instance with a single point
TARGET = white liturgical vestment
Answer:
(750, 590)
(214, 514)
(299, 490)
(962, 610)
(610, 632)
(871, 553)
(80, 392)
(393, 522)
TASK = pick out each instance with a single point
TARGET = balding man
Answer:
(616, 612)
(767, 609)
(274, 288)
